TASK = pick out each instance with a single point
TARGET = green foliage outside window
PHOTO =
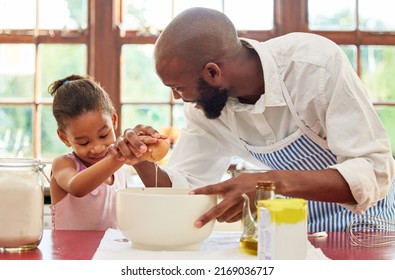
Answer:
(144, 98)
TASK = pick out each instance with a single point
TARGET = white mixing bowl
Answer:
(163, 218)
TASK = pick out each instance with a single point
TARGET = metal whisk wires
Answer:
(370, 231)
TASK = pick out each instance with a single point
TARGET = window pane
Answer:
(62, 14)
(387, 116)
(378, 71)
(151, 15)
(351, 52)
(178, 116)
(16, 131)
(57, 61)
(146, 15)
(51, 145)
(331, 15)
(12, 16)
(17, 70)
(139, 79)
(157, 116)
(173, 131)
(250, 14)
(377, 15)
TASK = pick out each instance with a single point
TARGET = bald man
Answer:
(292, 105)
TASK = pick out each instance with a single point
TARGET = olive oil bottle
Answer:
(265, 190)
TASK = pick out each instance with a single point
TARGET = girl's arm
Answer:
(81, 183)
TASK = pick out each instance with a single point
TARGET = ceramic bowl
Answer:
(162, 218)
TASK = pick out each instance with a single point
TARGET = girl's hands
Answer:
(133, 144)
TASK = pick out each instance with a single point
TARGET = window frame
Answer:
(104, 39)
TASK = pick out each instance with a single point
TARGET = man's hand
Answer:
(231, 207)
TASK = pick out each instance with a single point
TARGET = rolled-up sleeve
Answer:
(356, 135)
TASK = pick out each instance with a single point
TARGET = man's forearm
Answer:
(320, 185)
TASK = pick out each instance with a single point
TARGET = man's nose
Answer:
(176, 95)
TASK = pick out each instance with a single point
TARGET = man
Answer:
(292, 104)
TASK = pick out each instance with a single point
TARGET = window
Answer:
(144, 99)
(366, 31)
(112, 40)
(39, 44)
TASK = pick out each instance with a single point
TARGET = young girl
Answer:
(83, 183)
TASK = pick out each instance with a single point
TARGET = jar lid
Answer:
(19, 162)
(265, 185)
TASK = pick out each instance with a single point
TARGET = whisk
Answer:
(381, 232)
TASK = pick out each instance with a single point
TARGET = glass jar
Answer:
(21, 203)
(264, 190)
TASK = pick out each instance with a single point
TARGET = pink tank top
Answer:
(95, 211)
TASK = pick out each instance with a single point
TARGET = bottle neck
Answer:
(264, 194)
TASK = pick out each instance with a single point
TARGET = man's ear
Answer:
(114, 118)
(62, 136)
(212, 74)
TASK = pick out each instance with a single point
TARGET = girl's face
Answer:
(90, 135)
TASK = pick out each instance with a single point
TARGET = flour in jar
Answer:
(21, 209)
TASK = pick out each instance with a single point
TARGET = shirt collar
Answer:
(273, 95)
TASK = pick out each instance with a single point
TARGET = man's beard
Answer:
(211, 99)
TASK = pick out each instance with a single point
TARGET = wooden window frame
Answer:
(104, 39)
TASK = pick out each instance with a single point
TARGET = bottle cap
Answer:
(265, 185)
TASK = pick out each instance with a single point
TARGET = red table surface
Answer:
(61, 245)
(82, 245)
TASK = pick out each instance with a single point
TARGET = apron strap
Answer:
(305, 129)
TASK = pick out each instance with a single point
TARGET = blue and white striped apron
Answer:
(305, 150)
